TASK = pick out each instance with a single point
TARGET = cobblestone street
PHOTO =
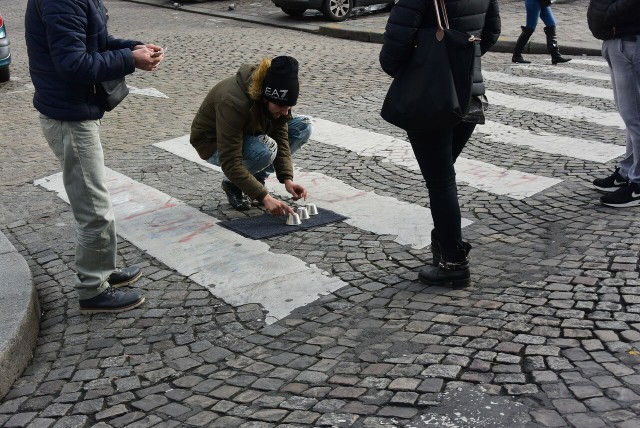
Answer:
(548, 334)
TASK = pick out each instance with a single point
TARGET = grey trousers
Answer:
(77, 146)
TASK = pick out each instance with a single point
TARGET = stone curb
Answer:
(367, 34)
(19, 315)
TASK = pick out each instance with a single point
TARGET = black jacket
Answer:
(480, 18)
(610, 19)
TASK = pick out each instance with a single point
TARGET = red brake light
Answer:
(1, 21)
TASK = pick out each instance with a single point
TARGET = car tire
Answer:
(293, 12)
(337, 10)
(4, 74)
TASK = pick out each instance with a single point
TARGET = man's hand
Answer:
(297, 191)
(142, 56)
(276, 207)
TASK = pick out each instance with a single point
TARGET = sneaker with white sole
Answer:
(625, 196)
(610, 183)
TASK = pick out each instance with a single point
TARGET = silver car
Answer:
(334, 10)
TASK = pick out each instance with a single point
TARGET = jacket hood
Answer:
(243, 77)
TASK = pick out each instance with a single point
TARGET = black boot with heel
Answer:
(552, 46)
(520, 44)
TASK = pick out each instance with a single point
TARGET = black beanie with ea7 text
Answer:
(280, 85)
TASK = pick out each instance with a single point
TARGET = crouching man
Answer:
(245, 126)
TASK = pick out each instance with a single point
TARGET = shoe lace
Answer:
(110, 292)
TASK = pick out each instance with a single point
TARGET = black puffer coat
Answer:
(480, 18)
(609, 19)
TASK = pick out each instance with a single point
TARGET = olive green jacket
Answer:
(226, 115)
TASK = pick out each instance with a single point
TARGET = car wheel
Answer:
(337, 10)
(293, 12)
(4, 74)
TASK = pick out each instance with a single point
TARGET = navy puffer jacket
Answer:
(480, 18)
(70, 51)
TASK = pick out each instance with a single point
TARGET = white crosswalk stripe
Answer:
(564, 111)
(550, 143)
(481, 175)
(601, 63)
(565, 71)
(549, 85)
(382, 215)
(238, 270)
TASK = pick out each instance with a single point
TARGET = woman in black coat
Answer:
(437, 151)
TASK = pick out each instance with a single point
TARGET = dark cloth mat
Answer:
(266, 226)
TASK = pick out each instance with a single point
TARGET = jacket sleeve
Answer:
(492, 27)
(66, 28)
(282, 163)
(623, 12)
(113, 43)
(230, 123)
(400, 34)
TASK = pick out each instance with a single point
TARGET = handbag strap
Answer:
(440, 30)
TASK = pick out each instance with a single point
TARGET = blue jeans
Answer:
(623, 57)
(535, 11)
(436, 152)
(259, 151)
(78, 149)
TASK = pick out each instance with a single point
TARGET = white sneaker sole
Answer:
(623, 205)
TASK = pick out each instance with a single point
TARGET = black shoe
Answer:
(610, 183)
(235, 197)
(625, 196)
(111, 300)
(559, 59)
(126, 276)
(519, 59)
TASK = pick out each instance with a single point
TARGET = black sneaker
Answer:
(126, 276)
(235, 197)
(610, 183)
(111, 300)
(625, 196)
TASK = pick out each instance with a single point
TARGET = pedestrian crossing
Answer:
(243, 271)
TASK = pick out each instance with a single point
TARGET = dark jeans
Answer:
(436, 153)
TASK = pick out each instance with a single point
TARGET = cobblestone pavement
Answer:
(547, 335)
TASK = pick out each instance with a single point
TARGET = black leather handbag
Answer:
(433, 90)
(110, 93)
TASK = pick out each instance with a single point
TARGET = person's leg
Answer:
(461, 134)
(433, 152)
(77, 146)
(258, 154)
(624, 61)
(546, 15)
(532, 8)
(299, 132)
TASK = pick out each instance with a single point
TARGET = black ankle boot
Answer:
(552, 46)
(453, 269)
(520, 44)
(437, 252)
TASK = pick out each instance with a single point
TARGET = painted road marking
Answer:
(383, 215)
(149, 92)
(238, 270)
(551, 143)
(589, 62)
(481, 175)
(566, 71)
(564, 111)
(549, 85)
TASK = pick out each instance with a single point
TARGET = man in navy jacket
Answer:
(70, 52)
(617, 24)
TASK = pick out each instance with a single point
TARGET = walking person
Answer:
(437, 151)
(538, 9)
(617, 24)
(245, 126)
(70, 52)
